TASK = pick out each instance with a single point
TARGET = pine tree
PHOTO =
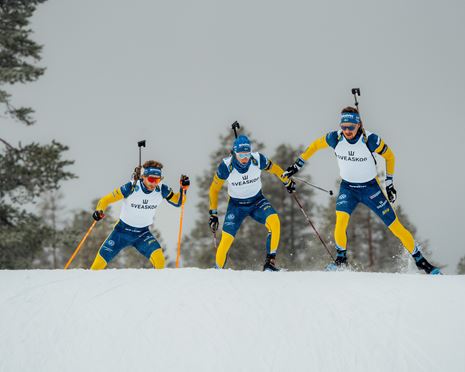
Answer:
(26, 171)
(461, 266)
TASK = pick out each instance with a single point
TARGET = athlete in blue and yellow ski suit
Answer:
(137, 213)
(354, 149)
(242, 171)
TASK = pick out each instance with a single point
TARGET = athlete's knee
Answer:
(273, 223)
(403, 235)
(99, 263)
(222, 251)
(157, 258)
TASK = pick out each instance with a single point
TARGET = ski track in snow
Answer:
(210, 320)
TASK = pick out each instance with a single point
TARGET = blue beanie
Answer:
(242, 144)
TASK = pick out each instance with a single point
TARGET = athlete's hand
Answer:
(390, 190)
(213, 221)
(290, 186)
(98, 215)
(293, 169)
(185, 182)
(136, 173)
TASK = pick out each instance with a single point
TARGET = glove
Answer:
(293, 169)
(136, 174)
(98, 215)
(290, 186)
(213, 221)
(185, 182)
(390, 190)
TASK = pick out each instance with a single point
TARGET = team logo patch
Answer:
(137, 188)
(231, 216)
(111, 243)
(342, 196)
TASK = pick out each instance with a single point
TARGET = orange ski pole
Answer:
(178, 255)
(80, 245)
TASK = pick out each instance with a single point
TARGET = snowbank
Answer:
(208, 320)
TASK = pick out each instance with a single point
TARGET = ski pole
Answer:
(215, 240)
(81, 243)
(330, 192)
(178, 255)
(311, 224)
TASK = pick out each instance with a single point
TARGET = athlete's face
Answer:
(350, 130)
(151, 182)
(243, 157)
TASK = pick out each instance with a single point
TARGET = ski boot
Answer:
(270, 263)
(339, 262)
(423, 264)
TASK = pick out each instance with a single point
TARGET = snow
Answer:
(209, 320)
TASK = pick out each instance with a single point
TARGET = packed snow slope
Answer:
(209, 320)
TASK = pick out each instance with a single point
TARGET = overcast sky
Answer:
(177, 73)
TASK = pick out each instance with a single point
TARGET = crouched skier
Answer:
(141, 200)
(354, 149)
(243, 170)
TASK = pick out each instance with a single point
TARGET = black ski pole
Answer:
(235, 126)
(356, 92)
(312, 225)
(137, 174)
(330, 192)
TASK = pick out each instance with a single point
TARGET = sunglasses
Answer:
(348, 127)
(243, 155)
(153, 179)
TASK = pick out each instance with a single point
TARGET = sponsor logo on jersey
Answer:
(351, 153)
(145, 201)
(245, 178)
(245, 182)
(351, 158)
(386, 211)
(381, 204)
(143, 206)
(375, 195)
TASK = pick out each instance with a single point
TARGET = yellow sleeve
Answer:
(319, 144)
(389, 156)
(215, 189)
(277, 171)
(109, 199)
(176, 199)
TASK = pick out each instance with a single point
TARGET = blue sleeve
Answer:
(166, 191)
(263, 161)
(332, 139)
(126, 189)
(373, 142)
(222, 172)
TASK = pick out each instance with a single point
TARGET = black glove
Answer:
(213, 221)
(136, 174)
(185, 182)
(290, 186)
(98, 215)
(293, 169)
(390, 190)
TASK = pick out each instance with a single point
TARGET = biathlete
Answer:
(140, 203)
(354, 148)
(242, 171)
